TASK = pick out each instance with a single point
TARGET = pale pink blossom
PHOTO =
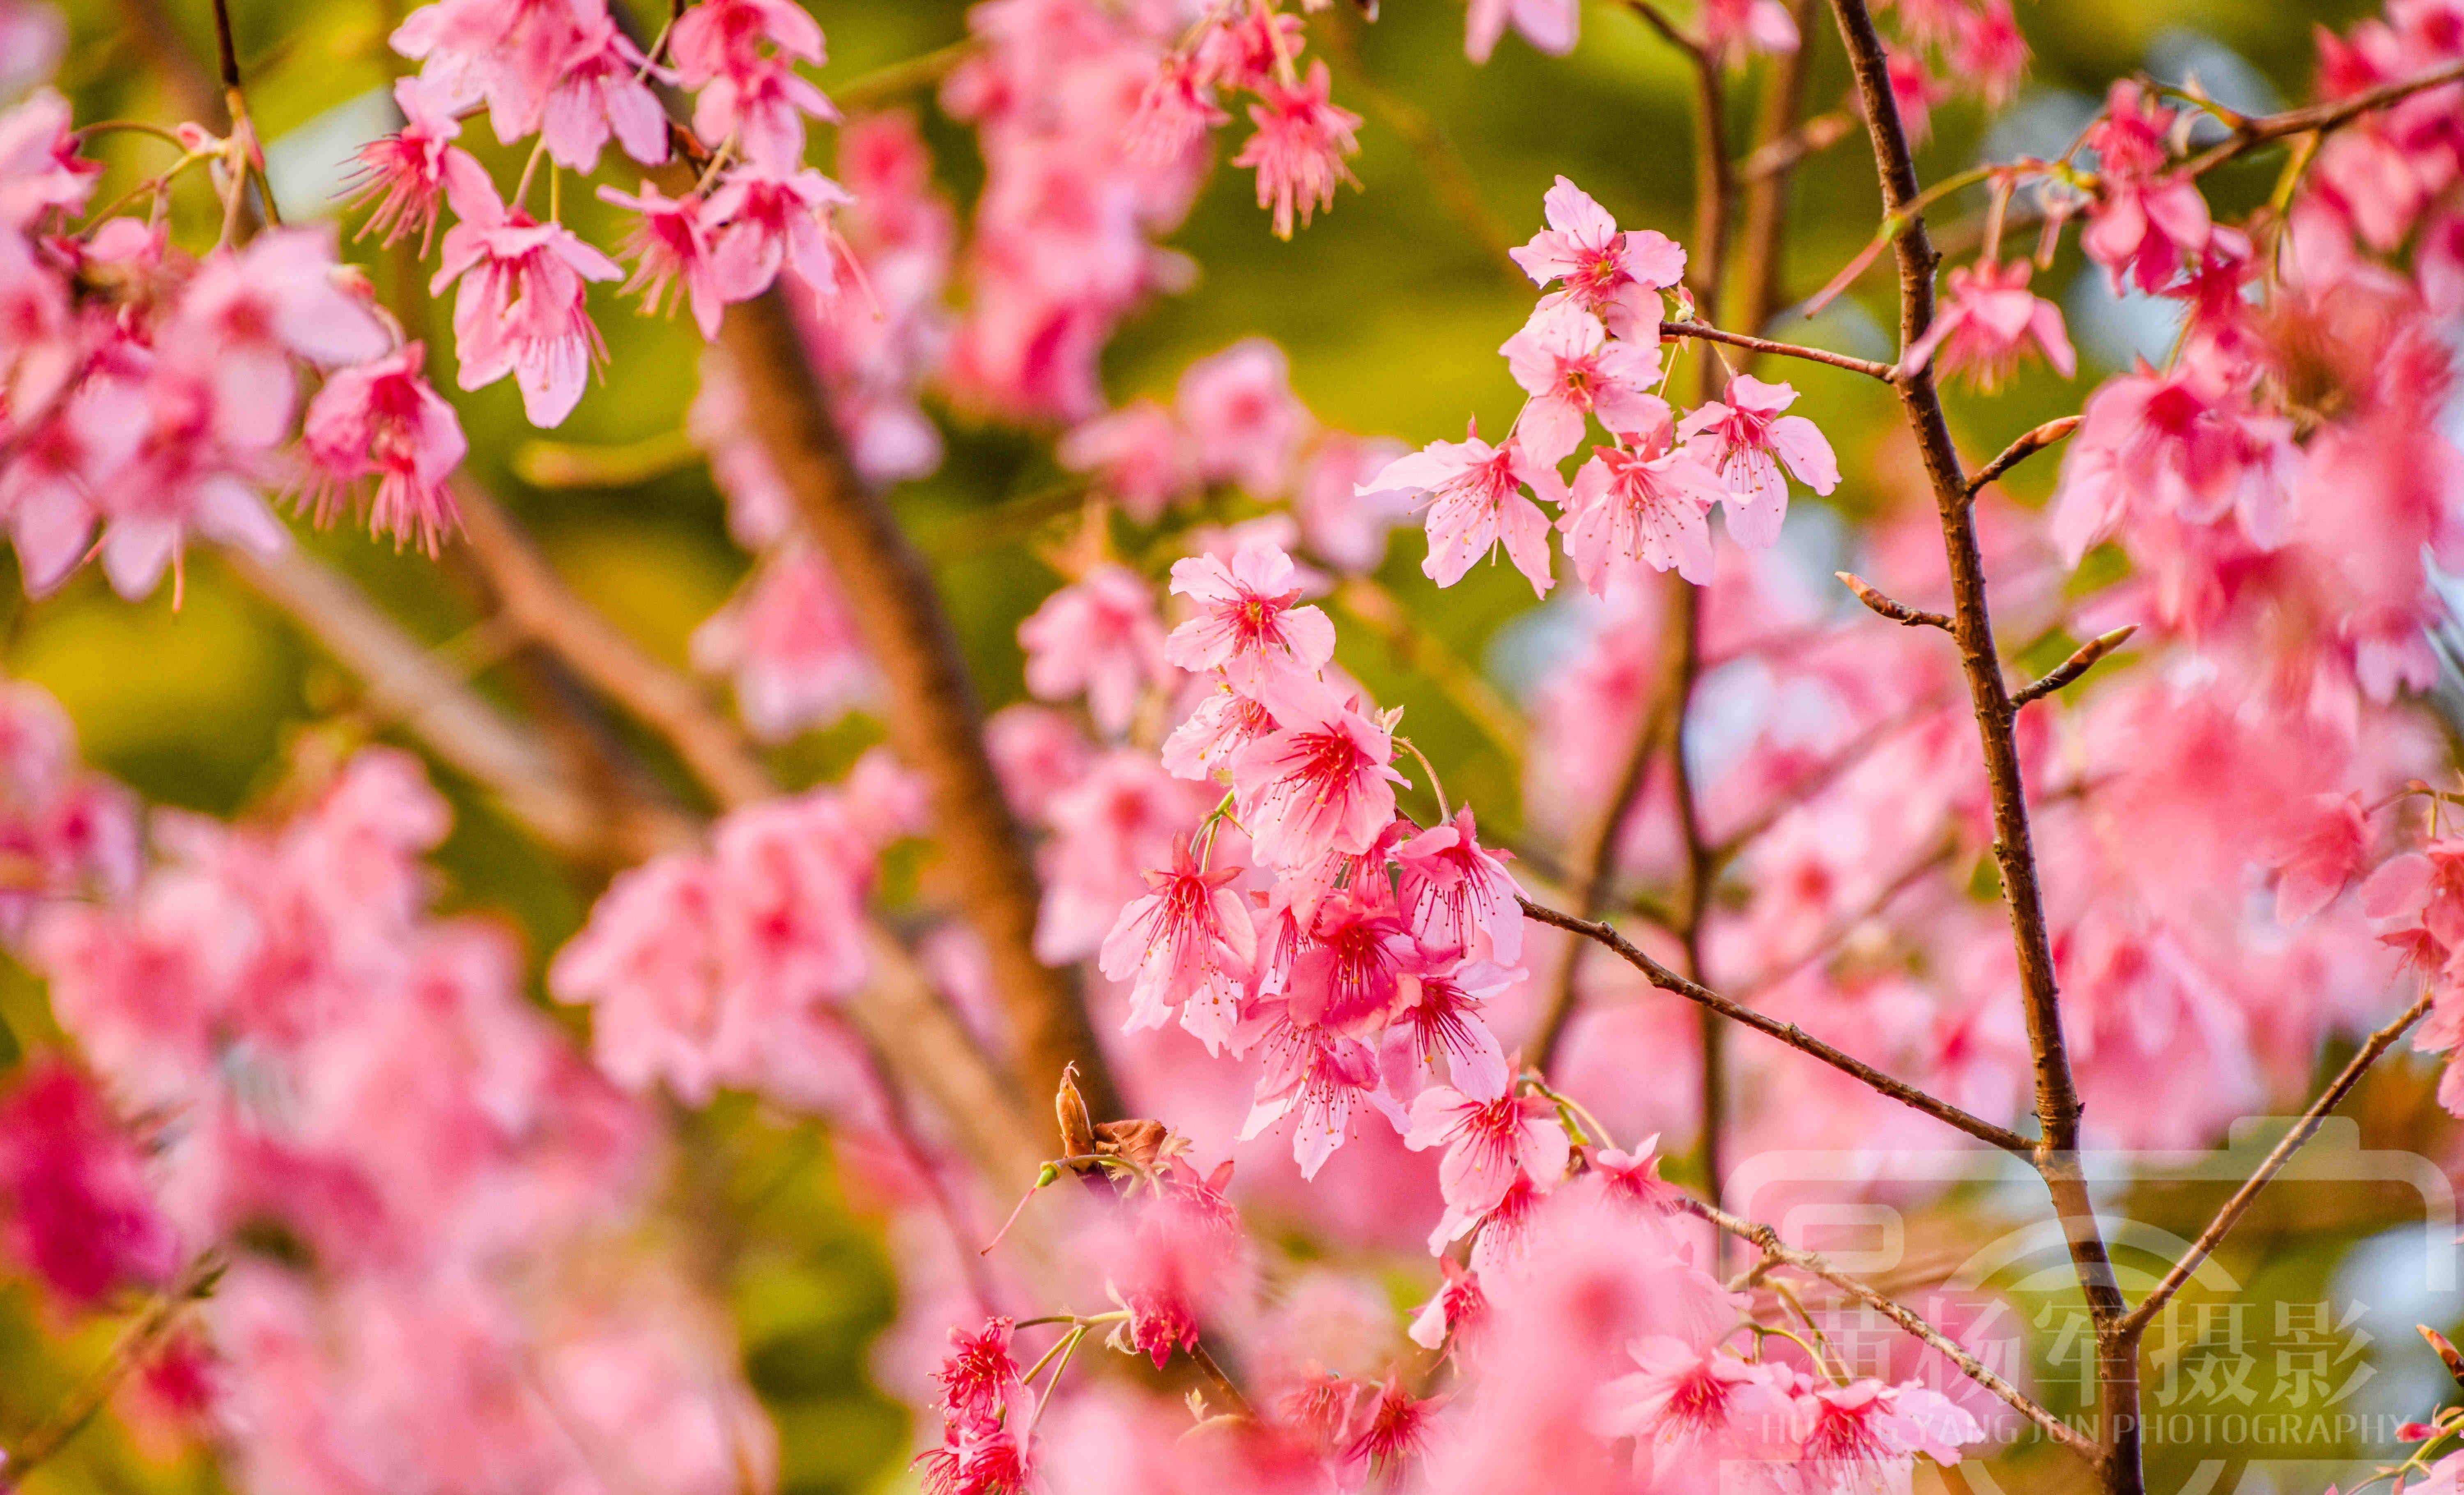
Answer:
(1458, 894)
(1317, 1077)
(1321, 782)
(249, 313)
(1566, 362)
(2182, 444)
(1098, 636)
(1189, 945)
(791, 645)
(1745, 440)
(1299, 148)
(1457, 1305)
(1141, 454)
(1224, 722)
(1344, 515)
(1630, 507)
(771, 219)
(1492, 1141)
(740, 56)
(1684, 1400)
(1550, 26)
(1611, 273)
(1733, 27)
(1242, 421)
(1441, 1017)
(1476, 499)
(1250, 621)
(518, 309)
(602, 90)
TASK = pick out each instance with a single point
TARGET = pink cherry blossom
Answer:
(1224, 722)
(1550, 26)
(1099, 636)
(403, 173)
(1457, 1305)
(1319, 1078)
(2142, 224)
(248, 315)
(1299, 148)
(1347, 974)
(1441, 1018)
(1251, 622)
(1242, 418)
(1733, 27)
(792, 645)
(380, 419)
(1320, 782)
(1565, 360)
(1458, 894)
(1987, 320)
(1141, 455)
(1476, 502)
(1492, 1141)
(2181, 444)
(1607, 273)
(602, 90)
(510, 56)
(1344, 515)
(1683, 1400)
(1629, 507)
(78, 1211)
(519, 308)
(1189, 943)
(675, 262)
(1748, 440)
(740, 56)
(771, 219)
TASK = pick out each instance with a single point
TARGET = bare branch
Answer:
(1814, 1264)
(1787, 1033)
(2058, 1100)
(2333, 1096)
(2021, 450)
(1738, 339)
(540, 604)
(1897, 612)
(2081, 661)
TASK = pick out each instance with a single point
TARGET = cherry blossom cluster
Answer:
(340, 1112)
(1592, 353)
(156, 396)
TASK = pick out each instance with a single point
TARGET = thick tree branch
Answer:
(2378, 1044)
(936, 721)
(2057, 1101)
(1767, 1240)
(1787, 1033)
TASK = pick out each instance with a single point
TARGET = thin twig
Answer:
(1787, 1033)
(2252, 134)
(2333, 1096)
(1885, 605)
(1814, 1264)
(2021, 450)
(149, 1329)
(1738, 339)
(2081, 661)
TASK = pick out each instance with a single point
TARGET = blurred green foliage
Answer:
(1391, 309)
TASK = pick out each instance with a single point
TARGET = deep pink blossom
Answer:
(518, 309)
(674, 259)
(1348, 973)
(1322, 781)
(1683, 1402)
(1098, 636)
(2143, 224)
(740, 56)
(77, 1208)
(380, 419)
(1440, 1019)
(1606, 271)
(1733, 27)
(1745, 440)
(2182, 444)
(1299, 148)
(1491, 1141)
(771, 219)
(1476, 499)
(403, 173)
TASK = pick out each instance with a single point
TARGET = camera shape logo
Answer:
(2260, 1387)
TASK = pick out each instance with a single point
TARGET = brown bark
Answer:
(935, 718)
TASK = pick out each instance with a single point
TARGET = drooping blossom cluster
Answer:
(150, 398)
(1591, 355)
(339, 1113)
